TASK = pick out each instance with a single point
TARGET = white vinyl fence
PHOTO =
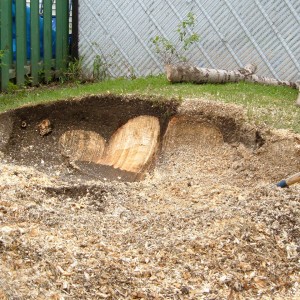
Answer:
(115, 34)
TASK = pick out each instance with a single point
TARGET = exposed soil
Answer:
(207, 222)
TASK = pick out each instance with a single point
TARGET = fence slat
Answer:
(5, 41)
(20, 28)
(65, 31)
(61, 34)
(35, 40)
(58, 36)
(10, 33)
(47, 38)
(20, 40)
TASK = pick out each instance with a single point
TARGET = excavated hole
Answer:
(104, 137)
(121, 138)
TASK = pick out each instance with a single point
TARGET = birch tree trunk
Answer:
(298, 99)
(182, 73)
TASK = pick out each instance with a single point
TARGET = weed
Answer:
(132, 74)
(102, 64)
(12, 88)
(2, 53)
(73, 73)
(171, 53)
(100, 69)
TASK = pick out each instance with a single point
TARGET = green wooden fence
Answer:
(18, 67)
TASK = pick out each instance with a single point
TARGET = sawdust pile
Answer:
(207, 223)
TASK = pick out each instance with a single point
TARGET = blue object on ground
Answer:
(282, 184)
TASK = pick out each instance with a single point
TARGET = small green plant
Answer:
(73, 73)
(170, 52)
(105, 63)
(2, 53)
(12, 88)
(132, 74)
(100, 69)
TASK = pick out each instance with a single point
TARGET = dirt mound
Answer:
(207, 221)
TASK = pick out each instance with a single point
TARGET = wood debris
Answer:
(200, 226)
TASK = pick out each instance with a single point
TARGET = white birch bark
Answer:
(298, 87)
(249, 69)
(184, 73)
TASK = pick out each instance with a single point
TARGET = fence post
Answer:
(34, 40)
(5, 42)
(47, 14)
(75, 16)
(21, 50)
(62, 33)
(65, 31)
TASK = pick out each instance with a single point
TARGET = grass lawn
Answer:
(271, 105)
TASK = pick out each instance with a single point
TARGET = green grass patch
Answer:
(270, 105)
